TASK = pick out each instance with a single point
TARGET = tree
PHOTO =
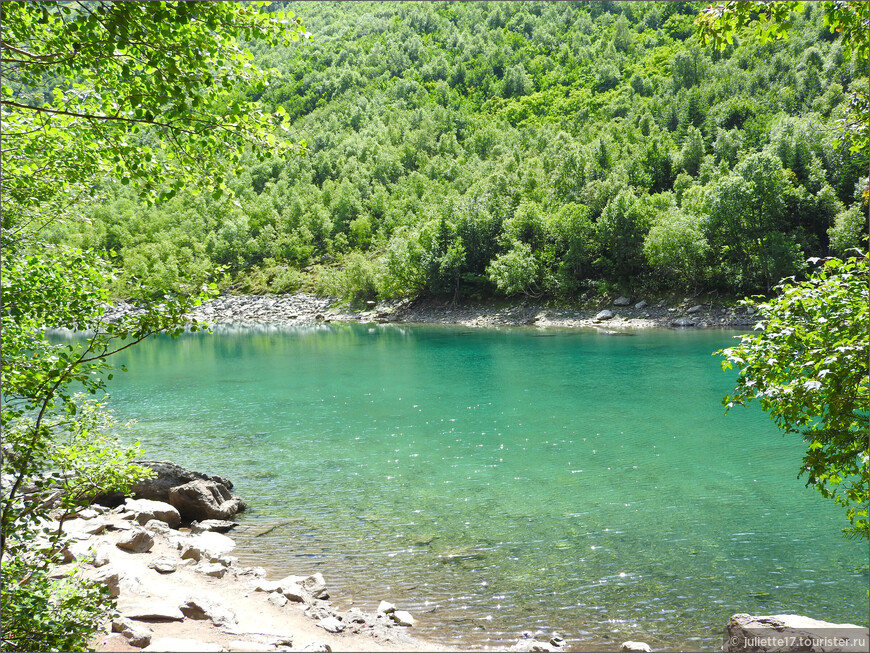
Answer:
(807, 367)
(139, 93)
(718, 24)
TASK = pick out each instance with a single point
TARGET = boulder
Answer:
(151, 611)
(167, 476)
(695, 309)
(331, 625)
(144, 510)
(203, 608)
(317, 647)
(622, 301)
(315, 585)
(163, 565)
(137, 634)
(792, 632)
(403, 618)
(205, 499)
(641, 304)
(275, 598)
(101, 555)
(385, 607)
(155, 526)
(244, 646)
(137, 540)
(294, 592)
(110, 578)
(263, 585)
(683, 322)
(205, 546)
(635, 647)
(604, 315)
(213, 569)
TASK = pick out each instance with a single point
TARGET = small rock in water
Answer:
(403, 618)
(635, 647)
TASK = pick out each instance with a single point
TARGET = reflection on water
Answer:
(496, 481)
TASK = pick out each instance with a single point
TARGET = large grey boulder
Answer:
(603, 315)
(206, 609)
(205, 499)
(206, 546)
(137, 540)
(167, 476)
(139, 635)
(145, 510)
(791, 632)
(622, 301)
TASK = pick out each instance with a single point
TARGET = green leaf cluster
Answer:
(807, 368)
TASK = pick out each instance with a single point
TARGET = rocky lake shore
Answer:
(618, 313)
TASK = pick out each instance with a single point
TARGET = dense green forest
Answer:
(555, 149)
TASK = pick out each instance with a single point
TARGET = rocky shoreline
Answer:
(167, 562)
(620, 313)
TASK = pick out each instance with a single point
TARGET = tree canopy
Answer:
(465, 120)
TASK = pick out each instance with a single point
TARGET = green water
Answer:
(493, 481)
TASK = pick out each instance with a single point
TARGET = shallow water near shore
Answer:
(493, 481)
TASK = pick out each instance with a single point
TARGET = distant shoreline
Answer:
(303, 308)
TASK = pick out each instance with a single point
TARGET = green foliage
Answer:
(418, 113)
(515, 271)
(807, 367)
(98, 97)
(41, 613)
(676, 248)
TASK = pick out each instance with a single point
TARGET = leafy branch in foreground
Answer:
(808, 368)
(94, 92)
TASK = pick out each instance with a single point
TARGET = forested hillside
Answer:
(497, 148)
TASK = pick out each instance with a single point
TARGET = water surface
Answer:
(494, 481)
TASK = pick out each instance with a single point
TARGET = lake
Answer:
(494, 481)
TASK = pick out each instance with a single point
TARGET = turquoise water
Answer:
(494, 481)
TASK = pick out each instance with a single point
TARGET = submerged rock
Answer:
(636, 647)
